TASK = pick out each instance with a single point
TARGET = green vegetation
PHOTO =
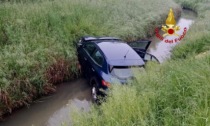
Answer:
(37, 39)
(175, 93)
(198, 37)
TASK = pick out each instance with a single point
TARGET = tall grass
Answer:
(174, 94)
(37, 39)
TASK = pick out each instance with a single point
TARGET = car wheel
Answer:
(94, 93)
(94, 90)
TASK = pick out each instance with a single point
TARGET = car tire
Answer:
(94, 90)
(94, 93)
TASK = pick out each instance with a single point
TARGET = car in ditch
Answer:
(105, 60)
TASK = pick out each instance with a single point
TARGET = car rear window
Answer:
(124, 72)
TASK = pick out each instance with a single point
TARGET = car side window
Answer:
(89, 47)
(98, 57)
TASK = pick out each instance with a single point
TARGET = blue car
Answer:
(106, 60)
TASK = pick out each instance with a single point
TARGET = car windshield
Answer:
(124, 72)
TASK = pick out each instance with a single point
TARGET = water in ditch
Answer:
(161, 49)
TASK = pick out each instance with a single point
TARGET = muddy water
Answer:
(54, 109)
(161, 49)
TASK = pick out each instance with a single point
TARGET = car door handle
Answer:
(85, 58)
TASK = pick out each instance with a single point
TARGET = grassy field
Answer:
(37, 39)
(175, 93)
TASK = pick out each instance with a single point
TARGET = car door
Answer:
(149, 57)
(85, 58)
(98, 63)
(141, 47)
(94, 60)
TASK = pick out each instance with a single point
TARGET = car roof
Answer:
(93, 39)
(119, 53)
